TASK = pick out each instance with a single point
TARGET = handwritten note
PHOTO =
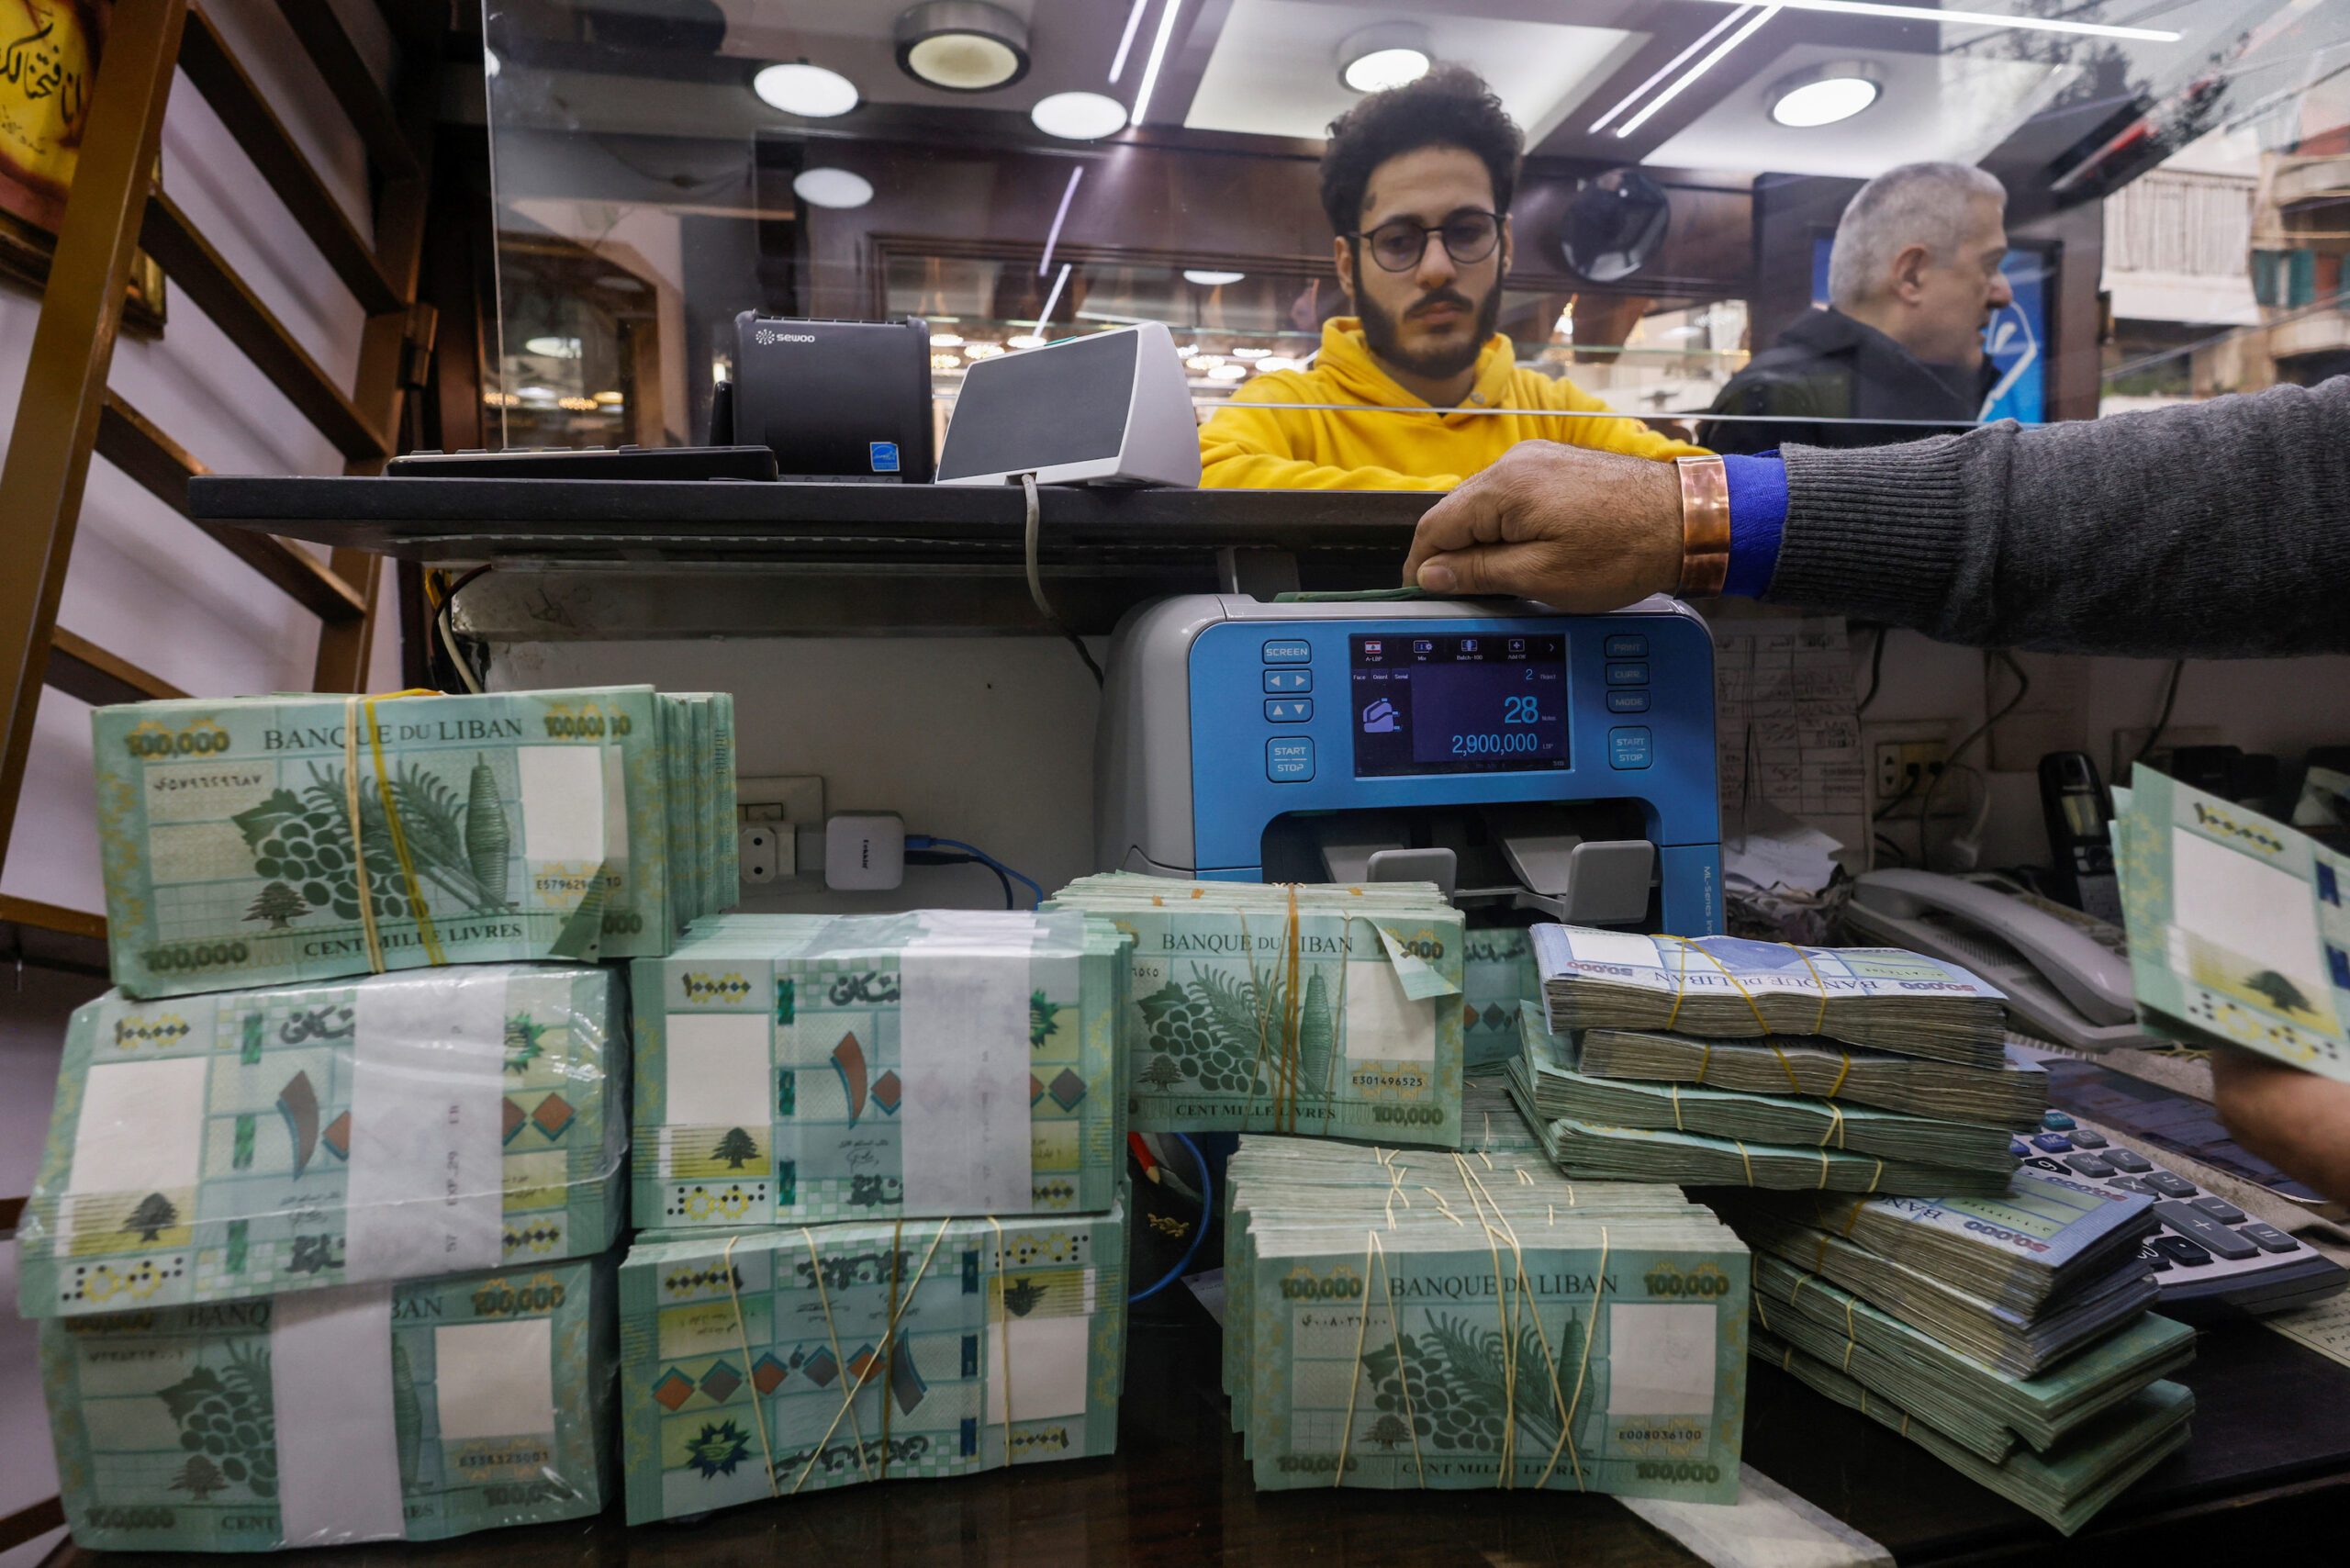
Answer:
(1785, 728)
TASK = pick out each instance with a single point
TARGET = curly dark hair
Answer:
(1449, 106)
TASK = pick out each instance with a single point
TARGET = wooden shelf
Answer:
(53, 937)
(79, 667)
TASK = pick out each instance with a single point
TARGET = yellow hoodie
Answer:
(1249, 446)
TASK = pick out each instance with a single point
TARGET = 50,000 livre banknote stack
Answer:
(253, 840)
(796, 1068)
(412, 1411)
(1407, 1319)
(285, 1138)
(785, 1361)
(1315, 1009)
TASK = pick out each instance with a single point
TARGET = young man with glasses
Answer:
(1417, 182)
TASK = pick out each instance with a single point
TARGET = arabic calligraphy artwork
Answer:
(49, 62)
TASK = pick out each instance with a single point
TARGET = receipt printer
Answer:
(1518, 757)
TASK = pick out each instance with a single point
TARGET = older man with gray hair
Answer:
(1913, 281)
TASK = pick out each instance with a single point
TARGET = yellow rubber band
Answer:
(1841, 1073)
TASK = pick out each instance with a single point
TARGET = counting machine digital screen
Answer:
(1458, 704)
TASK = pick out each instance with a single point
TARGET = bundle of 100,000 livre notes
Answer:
(1399, 1318)
(1324, 1010)
(253, 840)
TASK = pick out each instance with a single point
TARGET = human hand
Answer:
(1583, 531)
(2295, 1120)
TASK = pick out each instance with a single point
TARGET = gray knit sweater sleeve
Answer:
(2218, 529)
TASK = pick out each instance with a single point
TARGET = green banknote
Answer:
(796, 1068)
(412, 1411)
(1328, 1010)
(253, 840)
(1497, 979)
(779, 1362)
(2238, 932)
(1507, 1328)
(252, 1143)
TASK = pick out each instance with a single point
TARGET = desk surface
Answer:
(2269, 1463)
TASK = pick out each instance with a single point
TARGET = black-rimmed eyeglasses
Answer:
(1398, 244)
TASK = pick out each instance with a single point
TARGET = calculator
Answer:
(2211, 1258)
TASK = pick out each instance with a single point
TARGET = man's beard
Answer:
(1383, 331)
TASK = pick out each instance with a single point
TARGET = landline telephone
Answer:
(2066, 974)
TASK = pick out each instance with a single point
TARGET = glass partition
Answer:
(2173, 191)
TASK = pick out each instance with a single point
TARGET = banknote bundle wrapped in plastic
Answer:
(798, 1068)
(1327, 1010)
(785, 1361)
(2066, 1486)
(2239, 935)
(282, 1139)
(1716, 986)
(253, 840)
(1402, 1319)
(412, 1411)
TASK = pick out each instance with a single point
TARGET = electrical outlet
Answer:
(795, 799)
(760, 853)
(1907, 764)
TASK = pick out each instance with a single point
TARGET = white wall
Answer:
(147, 586)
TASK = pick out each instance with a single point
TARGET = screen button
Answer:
(1288, 653)
(1628, 647)
(1628, 675)
(1627, 748)
(1627, 702)
(1290, 710)
(1289, 761)
(1289, 680)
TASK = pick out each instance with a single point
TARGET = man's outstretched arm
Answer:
(2295, 1120)
(2213, 528)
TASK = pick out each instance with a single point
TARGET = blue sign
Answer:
(884, 456)
(2016, 340)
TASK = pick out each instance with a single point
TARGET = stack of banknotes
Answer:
(785, 1361)
(792, 1068)
(1497, 977)
(414, 1411)
(1325, 1010)
(2238, 929)
(1657, 1059)
(313, 1259)
(248, 841)
(290, 1137)
(1410, 1319)
(2009, 1336)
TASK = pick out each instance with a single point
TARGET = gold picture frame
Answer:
(48, 54)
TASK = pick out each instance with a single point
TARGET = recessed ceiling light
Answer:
(832, 187)
(1388, 55)
(799, 89)
(1209, 279)
(946, 339)
(1079, 117)
(610, 399)
(1228, 373)
(1825, 94)
(553, 347)
(1024, 341)
(963, 46)
(1250, 354)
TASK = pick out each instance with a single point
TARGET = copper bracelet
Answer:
(1704, 525)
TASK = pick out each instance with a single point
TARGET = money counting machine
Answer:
(1523, 759)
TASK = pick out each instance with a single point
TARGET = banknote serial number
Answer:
(1408, 1115)
(195, 956)
(187, 743)
(1677, 1469)
(1320, 1290)
(577, 726)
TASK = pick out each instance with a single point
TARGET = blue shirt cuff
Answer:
(1758, 512)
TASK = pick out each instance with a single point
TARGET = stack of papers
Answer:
(253, 840)
(781, 1362)
(1325, 1010)
(792, 1068)
(1400, 1319)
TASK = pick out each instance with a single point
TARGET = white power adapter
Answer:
(864, 851)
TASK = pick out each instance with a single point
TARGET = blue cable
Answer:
(1207, 1212)
(925, 841)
